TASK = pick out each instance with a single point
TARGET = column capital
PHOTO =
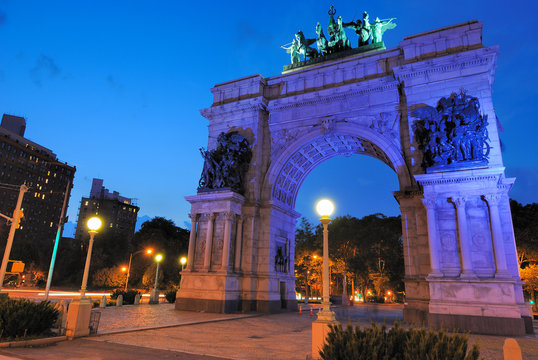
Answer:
(229, 215)
(459, 201)
(209, 216)
(428, 203)
(193, 217)
(493, 199)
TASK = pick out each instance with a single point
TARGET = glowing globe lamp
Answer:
(325, 208)
(94, 223)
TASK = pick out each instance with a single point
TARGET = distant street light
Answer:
(148, 251)
(325, 208)
(183, 261)
(94, 224)
(154, 296)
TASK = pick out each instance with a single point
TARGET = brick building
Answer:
(117, 212)
(24, 162)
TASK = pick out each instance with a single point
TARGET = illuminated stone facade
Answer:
(461, 265)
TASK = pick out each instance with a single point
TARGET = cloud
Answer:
(113, 82)
(44, 67)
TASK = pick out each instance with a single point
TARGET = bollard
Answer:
(137, 299)
(511, 350)
(62, 317)
(119, 300)
(103, 302)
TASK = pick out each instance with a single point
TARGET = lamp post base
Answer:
(78, 318)
(320, 330)
(154, 296)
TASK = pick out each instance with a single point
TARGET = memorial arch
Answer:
(461, 268)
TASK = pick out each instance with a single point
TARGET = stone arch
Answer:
(296, 161)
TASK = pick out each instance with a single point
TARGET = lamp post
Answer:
(94, 224)
(148, 251)
(79, 312)
(183, 261)
(154, 296)
(325, 208)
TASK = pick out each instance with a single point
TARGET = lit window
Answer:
(46, 181)
(86, 203)
(48, 172)
(43, 196)
(51, 224)
(111, 225)
(35, 194)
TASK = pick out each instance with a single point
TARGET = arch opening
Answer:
(311, 153)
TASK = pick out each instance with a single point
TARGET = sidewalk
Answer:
(143, 317)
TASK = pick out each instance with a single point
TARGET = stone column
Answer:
(228, 218)
(497, 234)
(209, 241)
(433, 240)
(465, 241)
(238, 244)
(192, 242)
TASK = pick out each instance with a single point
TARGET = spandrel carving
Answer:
(226, 166)
(453, 134)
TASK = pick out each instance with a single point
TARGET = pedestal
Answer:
(78, 318)
(320, 330)
(154, 296)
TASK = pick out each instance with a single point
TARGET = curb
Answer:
(33, 342)
(121, 331)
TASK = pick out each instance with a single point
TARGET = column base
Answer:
(468, 275)
(435, 275)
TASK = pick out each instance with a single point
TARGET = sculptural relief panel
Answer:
(480, 233)
(216, 257)
(200, 242)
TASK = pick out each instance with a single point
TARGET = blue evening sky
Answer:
(115, 87)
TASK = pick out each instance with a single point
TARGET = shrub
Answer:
(22, 317)
(396, 344)
(171, 296)
(128, 296)
(108, 277)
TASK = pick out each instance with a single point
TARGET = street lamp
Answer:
(325, 208)
(183, 261)
(93, 224)
(148, 251)
(154, 296)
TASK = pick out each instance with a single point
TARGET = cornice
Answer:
(253, 104)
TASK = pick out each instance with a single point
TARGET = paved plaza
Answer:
(159, 331)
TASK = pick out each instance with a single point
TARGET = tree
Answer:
(164, 237)
(307, 268)
(525, 220)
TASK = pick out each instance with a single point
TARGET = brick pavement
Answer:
(158, 331)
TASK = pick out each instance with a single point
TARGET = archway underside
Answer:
(311, 154)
